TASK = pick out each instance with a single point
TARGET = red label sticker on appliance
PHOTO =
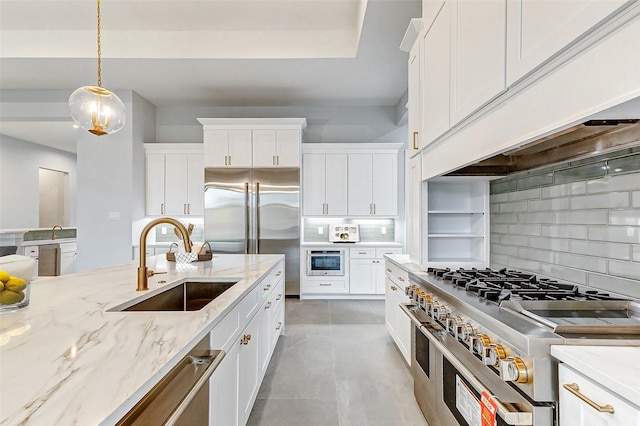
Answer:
(488, 408)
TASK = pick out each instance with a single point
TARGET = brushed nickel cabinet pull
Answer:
(162, 208)
(279, 325)
(273, 160)
(184, 208)
(277, 160)
(229, 160)
(279, 297)
(225, 160)
(575, 389)
(325, 284)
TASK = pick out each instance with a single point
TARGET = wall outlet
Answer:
(320, 230)
(383, 230)
(113, 216)
(164, 230)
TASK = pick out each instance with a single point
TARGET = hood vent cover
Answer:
(592, 137)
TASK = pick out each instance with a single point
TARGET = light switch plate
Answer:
(320, 230)
(383, 230)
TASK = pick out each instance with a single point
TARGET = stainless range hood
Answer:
(593, 137)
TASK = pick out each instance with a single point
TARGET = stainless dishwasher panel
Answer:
(49, 260)
(182, 396)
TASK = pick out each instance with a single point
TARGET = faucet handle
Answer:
(151, 273)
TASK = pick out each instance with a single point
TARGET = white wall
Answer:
(324, 124)
(20, 162)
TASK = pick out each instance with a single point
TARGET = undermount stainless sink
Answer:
(188, 296)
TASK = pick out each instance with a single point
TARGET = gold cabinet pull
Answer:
(267, 287)
(389, 270)
(575, 389)
(394, 288)
(415, 144)
(245, 339)
(279, 325)
(279, 297)
(268, 305)
(400, 279)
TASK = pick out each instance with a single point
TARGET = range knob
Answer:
(465, 332)
(425, 299)
(479, 343)
(495, 353)
(513, 369)
(433, 308)
(453, 324)
(443, 312)
(409, 290)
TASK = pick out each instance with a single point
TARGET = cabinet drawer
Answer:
(249, 305)
(574, 411)
(225, 330)
(396, 274)
(326, 286)
(380, 252)
(362, 253)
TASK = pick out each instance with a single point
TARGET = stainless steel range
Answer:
(481, 342)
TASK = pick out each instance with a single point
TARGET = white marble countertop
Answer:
(613, 367)
(65, 360)
(43, 242)
(352, 245)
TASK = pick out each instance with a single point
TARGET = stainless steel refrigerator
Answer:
(255, 211)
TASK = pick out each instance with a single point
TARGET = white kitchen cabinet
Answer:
(414, 94)
(477, 55)
(68, 256)
(223, 388)
(324, 188)
(174, 180)
(227, 148)
(397, 322)
(457, 222)
(34, 253)
(366, 269)
(574, 411)
(435, 56)
(249, 377)
(414, 216)
(372, 185)
(538, 30)
(276, 148)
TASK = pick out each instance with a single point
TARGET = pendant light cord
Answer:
(99, 49)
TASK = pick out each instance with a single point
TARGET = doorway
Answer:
(53, 198)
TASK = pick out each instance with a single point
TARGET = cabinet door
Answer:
(361, 279)
(415, 98)
(413, 218)
(313, 184)
(537, 30)
(336, 184)
(360, 184)
(264, 148)
(379, 276)
(175, 184)
(223, 387)
(216, 148)
(239, 148)
(155, 185)
(384, 190)
(67, 262)
(390, 305)
(195, 185)
(435, 57)
(248, 370)
(264, 340)
(288, 148)
(403, 327)
(477, 54)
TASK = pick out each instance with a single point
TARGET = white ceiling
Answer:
(209, 52)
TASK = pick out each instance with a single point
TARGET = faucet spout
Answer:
(143, 272)
(53, 231)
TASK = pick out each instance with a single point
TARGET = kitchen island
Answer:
(67, 359)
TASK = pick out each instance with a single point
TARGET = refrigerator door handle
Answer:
(257, 217)
(247, 217)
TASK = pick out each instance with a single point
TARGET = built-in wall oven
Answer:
(325, 262)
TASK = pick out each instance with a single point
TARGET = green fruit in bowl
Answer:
(8, 297)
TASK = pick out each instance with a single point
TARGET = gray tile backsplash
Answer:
(370, 229)
(583, 230)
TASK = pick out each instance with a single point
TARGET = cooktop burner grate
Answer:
(498, 285)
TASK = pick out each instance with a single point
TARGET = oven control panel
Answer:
(490, 349)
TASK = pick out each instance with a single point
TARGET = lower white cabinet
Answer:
(248, 334)
(575, 411)
(366, 270)
(397, 322)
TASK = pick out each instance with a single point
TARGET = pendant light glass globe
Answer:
(97, 110)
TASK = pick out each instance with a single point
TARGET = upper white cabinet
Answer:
(350, 179)
(373, 184)
(252, 142)
(435, 61)
(174, 179)
(276, 148)
(477, 54)
(457, 222)
(324, 189)
(414, 235)
(224, 148)
(537, 30)
(414, 116)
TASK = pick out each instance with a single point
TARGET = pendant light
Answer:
(95, 108)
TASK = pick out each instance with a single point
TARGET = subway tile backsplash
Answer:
(583, 230)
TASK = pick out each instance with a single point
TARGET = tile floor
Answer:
(336, 365)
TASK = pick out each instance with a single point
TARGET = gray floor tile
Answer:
(355, 312)
(306, 311)
(294, 412)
